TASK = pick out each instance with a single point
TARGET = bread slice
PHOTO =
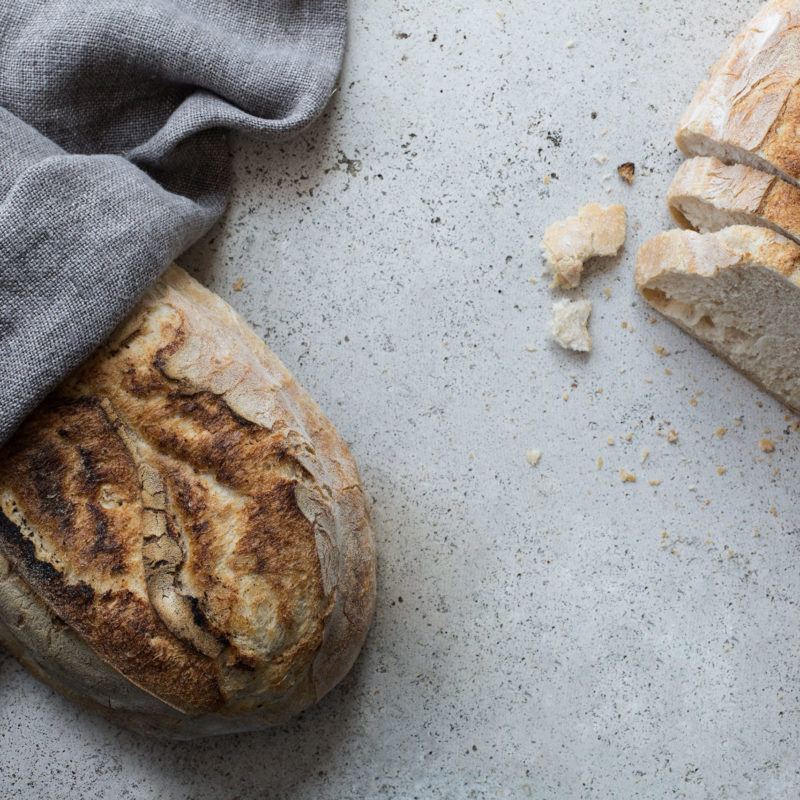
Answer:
(185, 546)
(738, 292)
(708, 195)
(748, 109)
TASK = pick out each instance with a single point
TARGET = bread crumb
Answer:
(600, 158)
(644, 455)
(767, 445)
(672, 437)
(569, 243)
(530, 348)
(662, 351)
(692, 401)
(533, 280)
(721, 470)
(721, 432)
(648, 380)
(607, 292)
(628, 436)
(565, 396)
(546, 180)
(599, 462)
(238, 285)
(533, 457)
(773, 511)
(667, 371)
(570, 44)
(624, 324)
(627, 477)
(655, 483)
(568, 324)
(627, 171)
(610, 441)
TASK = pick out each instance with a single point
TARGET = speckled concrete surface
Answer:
(548, 631)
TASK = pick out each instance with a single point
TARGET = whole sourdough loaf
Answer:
(184, 542)
(748, 110)
(738, 292)
(708, 195)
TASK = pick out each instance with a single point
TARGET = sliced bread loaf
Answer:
(708, 195)
(738, 292)
(748, 110)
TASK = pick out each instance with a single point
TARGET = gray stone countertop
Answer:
(542, 631)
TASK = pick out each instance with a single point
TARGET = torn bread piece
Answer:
(568, 325)
(627, 172)
(748, 109)
(569, 243)
(708, 195)
(738, 292)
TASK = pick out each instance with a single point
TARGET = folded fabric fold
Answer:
(113, 157)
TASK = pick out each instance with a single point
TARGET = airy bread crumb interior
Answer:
(749, 314)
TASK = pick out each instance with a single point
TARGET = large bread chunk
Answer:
(184, 541)
(738, 292)
(708, 195)
(748, 110)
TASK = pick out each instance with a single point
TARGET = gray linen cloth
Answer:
(113, 152)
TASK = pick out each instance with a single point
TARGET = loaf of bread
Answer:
(708, 195)
(184, 541)
(738, 292)
(748, 110)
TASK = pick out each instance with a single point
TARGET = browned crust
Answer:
(779, 145)
(781, 204)
(163, 523)
(751, 99)
(60, 465)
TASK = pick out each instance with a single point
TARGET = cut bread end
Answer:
(738, 292)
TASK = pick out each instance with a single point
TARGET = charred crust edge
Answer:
(22, 555)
